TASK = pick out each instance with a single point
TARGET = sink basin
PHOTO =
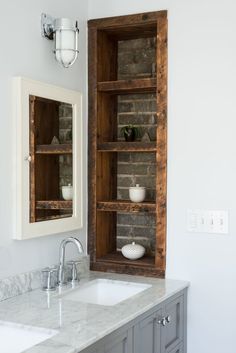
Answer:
(16, 338)
(105, 291)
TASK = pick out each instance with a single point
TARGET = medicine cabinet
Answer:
(48, 159)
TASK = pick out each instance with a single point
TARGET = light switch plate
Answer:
(208, 221)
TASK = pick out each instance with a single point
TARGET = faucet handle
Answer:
(49, 278)
(73, 272)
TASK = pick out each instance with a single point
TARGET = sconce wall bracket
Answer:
(47, 28)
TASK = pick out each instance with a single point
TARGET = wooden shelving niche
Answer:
(50, 161)
(127, 85)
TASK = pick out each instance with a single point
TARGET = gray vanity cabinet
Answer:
(94, 349)
(147, 334)
(118, 342)
(161, 330)
(122, 343)
(172, 331)
(178, 349)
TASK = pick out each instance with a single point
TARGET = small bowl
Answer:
(133, 251)
(67, 192)
(137, 193)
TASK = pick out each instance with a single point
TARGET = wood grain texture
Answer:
(129, 22)
(106, 58)
(127, 147)
(141, 85)
(130, 269)
(45, 164)
(92, 140)
(104, 87)
(161, 179)
(105, 233)
(117, 257)
(126, 206)
(54, 149)
(47, 172)
(54, 205)
(52, 218)
(47, 101)
(106, 163)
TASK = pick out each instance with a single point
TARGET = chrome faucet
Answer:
(61, 272)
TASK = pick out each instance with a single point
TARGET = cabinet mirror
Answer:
(48, 159)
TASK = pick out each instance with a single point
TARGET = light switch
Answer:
(208, 221)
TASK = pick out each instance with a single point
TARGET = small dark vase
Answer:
(129, 135)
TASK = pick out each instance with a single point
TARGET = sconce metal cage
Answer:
(65, 33)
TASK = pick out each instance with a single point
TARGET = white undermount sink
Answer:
(16, 338)
(105, 291)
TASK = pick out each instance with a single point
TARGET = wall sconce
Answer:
(65, 33)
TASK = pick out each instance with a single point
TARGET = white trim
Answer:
(22, 88)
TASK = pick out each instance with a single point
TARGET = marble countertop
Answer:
(81, 324)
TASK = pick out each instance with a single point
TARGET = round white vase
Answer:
(133, 251)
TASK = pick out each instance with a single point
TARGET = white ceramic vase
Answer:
(67, 192)
(137, 193)
(133, 251)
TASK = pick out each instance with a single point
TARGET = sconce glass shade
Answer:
(66, 41)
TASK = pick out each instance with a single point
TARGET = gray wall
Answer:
(25, 53)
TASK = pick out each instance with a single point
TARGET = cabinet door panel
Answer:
(147, 335)
(172, 333)
(122, 343)
(178, 349)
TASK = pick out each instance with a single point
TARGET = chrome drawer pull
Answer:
(168, 319)
(162, 321)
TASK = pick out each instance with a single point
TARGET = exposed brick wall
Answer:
(65, 136)
(136, 59)
(139, 110)
(139, 228)
(136, 168)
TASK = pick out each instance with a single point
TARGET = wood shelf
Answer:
(54, 205)
(117, 257)
(50, 218)
(126, 206)
(127, 147)
(54, 149)
(116, 262)
(143, 85)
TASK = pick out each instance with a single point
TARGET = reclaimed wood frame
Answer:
(103, 35)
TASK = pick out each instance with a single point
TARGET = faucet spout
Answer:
(61, 273)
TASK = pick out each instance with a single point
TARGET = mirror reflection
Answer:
(51, 159)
